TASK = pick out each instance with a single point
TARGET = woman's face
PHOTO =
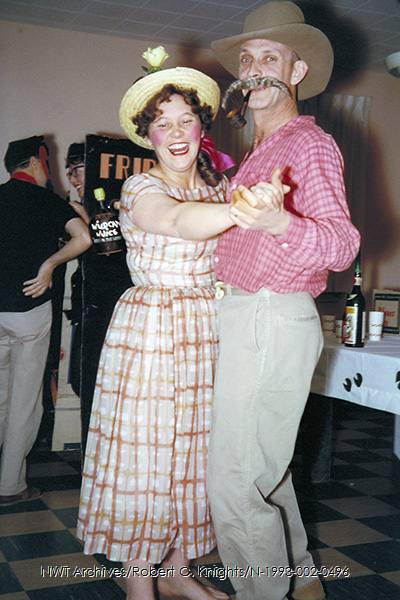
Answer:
(176, 135)
(76, 176)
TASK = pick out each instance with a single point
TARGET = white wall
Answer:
(65, 84)
(381, 241)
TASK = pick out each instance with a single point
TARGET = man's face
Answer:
(76, 176)
(266, 58)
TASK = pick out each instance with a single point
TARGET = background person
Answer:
(33, 219)
(75, 165)
(270, 334)
(50, 380)
(96, 286)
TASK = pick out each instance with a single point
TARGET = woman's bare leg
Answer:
(139, 587)
(181, 585)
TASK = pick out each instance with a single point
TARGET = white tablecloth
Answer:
(369, 376)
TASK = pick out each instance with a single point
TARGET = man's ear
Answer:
(299, 71)
(34, 162)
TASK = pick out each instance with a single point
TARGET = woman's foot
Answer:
(187, 588)
(181, 584)
(138, 587)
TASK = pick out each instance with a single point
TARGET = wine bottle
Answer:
(104, 227)
(355, 311)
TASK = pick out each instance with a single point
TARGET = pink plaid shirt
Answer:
(320, 236)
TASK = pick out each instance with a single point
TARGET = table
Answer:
(369, 376)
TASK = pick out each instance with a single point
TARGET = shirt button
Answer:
(216, 259)
(285, 245)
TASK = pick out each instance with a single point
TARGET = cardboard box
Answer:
(388, 301)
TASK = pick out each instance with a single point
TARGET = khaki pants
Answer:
(24, 343)
(269, 346)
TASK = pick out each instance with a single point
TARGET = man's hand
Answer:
(262, 206)
(38, 285)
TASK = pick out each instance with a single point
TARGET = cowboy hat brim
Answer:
(309, 43)
(139, 94)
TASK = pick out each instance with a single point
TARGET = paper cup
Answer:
(375, 325)
(328, 323)
(339, 328)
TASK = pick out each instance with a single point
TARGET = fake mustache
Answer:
(236, 114)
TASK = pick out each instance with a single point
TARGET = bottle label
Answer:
(363, 326)
(105, 232)
(351, 321)
(350, 325)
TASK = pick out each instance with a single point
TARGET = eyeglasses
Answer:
(74, 171)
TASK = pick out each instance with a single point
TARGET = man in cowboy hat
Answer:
(270, 332)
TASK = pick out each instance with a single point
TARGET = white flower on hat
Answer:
(155, 58)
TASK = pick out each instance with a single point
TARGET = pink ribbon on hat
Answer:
(220, 161)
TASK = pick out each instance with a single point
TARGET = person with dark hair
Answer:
(143, 498)
(272, 266)
(33, 219)
(96, 286)
(75, 165)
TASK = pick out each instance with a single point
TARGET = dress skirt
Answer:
(144, 478)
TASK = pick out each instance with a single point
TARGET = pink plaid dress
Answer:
(143, 489)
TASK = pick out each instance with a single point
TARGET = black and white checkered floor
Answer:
(353, 522)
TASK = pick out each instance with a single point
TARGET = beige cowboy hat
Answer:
(283, 22)
(139, 94)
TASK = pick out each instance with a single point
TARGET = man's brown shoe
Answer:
(27, 495)
(309, 591)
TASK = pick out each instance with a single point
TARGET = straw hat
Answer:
(139, 94)
(283, 22)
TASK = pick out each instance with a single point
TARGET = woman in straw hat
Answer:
(143, 497)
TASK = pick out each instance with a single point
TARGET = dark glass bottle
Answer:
(355, 311)
(104, 227)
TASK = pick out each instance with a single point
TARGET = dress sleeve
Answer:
(136, 186)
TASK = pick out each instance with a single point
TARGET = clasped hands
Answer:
(261, 206)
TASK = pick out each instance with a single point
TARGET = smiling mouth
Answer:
(178, 149)
(79, 189)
